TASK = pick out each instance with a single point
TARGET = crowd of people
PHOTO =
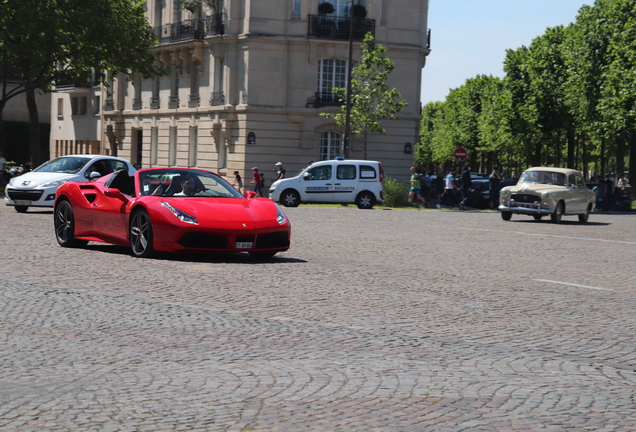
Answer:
(449, 189)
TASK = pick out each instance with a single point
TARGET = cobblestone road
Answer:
(377, 320)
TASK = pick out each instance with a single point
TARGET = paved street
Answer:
(380, 320)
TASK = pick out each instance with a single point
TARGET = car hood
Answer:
(535, 187)
(229, 213)
(36, 179)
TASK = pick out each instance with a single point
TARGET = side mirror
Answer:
(306, 176)
(250, 194)
(93, 175)
(114, 193)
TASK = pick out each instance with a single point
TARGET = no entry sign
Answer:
(460, 154)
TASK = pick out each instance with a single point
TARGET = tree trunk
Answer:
(571, 146)
(632, 159)
(621, 148)
(34, 120)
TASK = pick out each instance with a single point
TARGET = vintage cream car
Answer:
(544, 191)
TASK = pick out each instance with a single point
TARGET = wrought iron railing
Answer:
(335, 27)
(109, 105)
(217, 98)
(136, 103)
(323, 99)
(155, 103)
(194, 29)
(194, 101)
(173, 102)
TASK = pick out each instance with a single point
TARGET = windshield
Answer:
(185, 183)
(543, 177)
(64, 164)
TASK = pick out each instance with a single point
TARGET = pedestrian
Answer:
(622, 182)
(427, 185)
(608, 199)
(238, 181)
(467, 183)
(280, 171)
(439, 181)
(415, 190)
(450, 191)
(494, 185)
(257, 182)
(3, 170)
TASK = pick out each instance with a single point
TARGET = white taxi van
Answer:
(333, 181)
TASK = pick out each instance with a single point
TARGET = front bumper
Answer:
(531, 209)
(29, 197)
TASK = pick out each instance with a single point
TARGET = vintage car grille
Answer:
(525, 198)
(203, 241)
(273, 240)
(32, 195)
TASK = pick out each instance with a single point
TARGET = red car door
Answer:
(109, 215)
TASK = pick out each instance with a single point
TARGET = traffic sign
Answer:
(460, 154)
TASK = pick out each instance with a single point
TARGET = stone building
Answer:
(246, 86)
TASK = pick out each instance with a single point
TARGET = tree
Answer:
(47, 41)
(372, 99)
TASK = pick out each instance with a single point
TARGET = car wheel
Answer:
(365, 200)
(558, 213)
(141, 235)
(65, 226)
(506, 215)
(21, 209)
(585, 216)
(537, 217)
(290, 198)
(262, 255)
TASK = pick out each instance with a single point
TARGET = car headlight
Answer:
(546, 196)
(56, 182)
(505, 193)
(11, 181)
(273, 185)
(180, 214)
(281, 218)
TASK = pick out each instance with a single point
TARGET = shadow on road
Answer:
(196, 257)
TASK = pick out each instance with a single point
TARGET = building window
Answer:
(60, 107)
(332, 73)
(78, 105)
(296, 7)
(172, 152)
(174, 88)
(98, 105)
(154, 99)
(137, 97)
(154, 145)
(192, 151)
(329, 145)
(341, 7)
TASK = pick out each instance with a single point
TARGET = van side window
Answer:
(579, 181)
(346, 172)
(367, 172)
(318, 173)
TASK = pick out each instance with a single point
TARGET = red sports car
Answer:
(169, 210)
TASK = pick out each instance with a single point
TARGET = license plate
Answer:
(22, 202)
(244, 245)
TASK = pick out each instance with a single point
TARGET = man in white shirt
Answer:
(3, 170)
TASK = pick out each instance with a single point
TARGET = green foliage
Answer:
(395, 193)
(568, 99)
(372, 99)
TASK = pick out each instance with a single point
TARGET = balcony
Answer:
(136, 103)
(323, 99)
(155, 103)
(194, 101)
(194, 29)
(334, 27)
(173, 102)
(217, 98)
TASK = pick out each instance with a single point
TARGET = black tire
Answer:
(141, 235)
(290, 198)
(537, 217)
(262, 255)
(584, 217)
(558, 213)
(365, 200)
(21, 209)
(506, 215)
(64, 222)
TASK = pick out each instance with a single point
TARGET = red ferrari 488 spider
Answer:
(169, 210)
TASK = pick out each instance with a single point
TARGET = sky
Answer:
(470, 37)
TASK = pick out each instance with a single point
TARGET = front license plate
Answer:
(244, 245)
(22, 202)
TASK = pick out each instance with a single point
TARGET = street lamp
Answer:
(344, 146)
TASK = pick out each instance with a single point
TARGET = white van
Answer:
(333, 181)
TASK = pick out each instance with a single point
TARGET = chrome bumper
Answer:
(527, 210)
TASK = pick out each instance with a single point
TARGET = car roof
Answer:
(93, 156)
(553, 169)
(344, 161)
